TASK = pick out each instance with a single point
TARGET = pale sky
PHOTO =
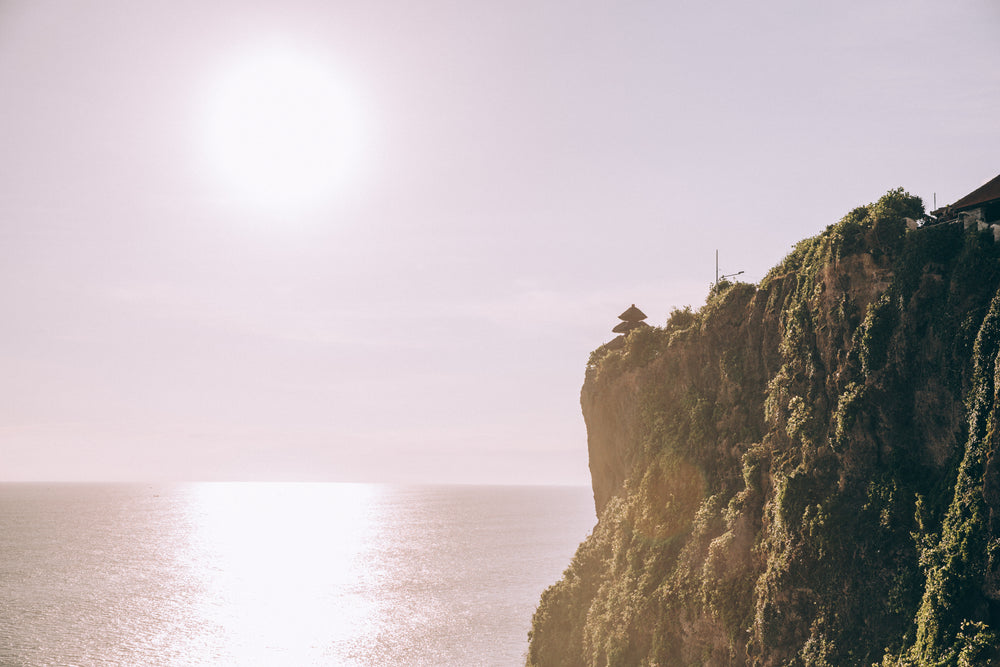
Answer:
(376, 241)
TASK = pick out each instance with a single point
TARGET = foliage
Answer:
(802, 472)
(681, 318)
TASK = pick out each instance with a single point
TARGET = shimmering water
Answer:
(278, 574)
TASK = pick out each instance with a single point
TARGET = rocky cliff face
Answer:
(803, 472)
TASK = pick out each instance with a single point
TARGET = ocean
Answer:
(279, 574)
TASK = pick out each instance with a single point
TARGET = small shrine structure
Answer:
(630, 319)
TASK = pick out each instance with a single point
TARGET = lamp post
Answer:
(717, 276)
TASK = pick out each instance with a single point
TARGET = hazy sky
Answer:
(377, 240)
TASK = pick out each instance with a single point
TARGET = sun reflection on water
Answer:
(282, 570)
(278, 574)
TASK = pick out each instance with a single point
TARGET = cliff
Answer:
(803, 472)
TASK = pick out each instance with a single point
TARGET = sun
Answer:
(282, 130)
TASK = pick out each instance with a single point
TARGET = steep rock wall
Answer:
(802, 472)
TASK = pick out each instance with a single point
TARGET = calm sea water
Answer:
(279, 574)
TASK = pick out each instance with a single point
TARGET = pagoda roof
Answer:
(633, 314)
(626, 326)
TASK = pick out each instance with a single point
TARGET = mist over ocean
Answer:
(279, 574)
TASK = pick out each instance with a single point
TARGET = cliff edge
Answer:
(803, 472)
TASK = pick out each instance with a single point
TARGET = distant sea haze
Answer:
(279, 574)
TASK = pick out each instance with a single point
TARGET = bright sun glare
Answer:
(282, 130)
(282, 580)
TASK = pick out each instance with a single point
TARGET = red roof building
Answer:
(980, 205)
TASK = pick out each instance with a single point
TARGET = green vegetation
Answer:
(802, 472)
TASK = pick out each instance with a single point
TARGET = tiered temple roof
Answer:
(630, 319)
